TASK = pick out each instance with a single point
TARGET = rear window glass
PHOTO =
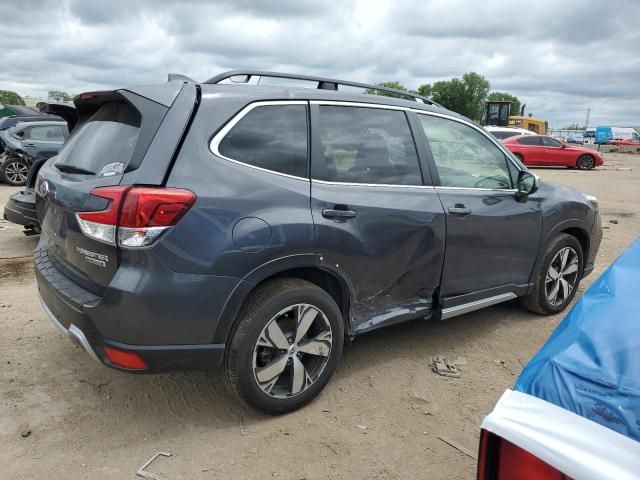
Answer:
(273, 137)
(503, 135)
(530, 140)
(48, 133)
(104, 144)
(367, 145)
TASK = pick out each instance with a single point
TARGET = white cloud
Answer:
(559, 59)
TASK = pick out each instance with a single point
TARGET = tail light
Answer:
(500, 459)
(135, 215)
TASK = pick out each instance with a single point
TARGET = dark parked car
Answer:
(253, 228)
(13, 120)
(21, 207)
(26, 142)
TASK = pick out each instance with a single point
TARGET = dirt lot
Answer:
(62, 414)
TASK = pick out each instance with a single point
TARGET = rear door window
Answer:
(273, 137)
(104, 144)
(49, 133)
(530, 140)
(367, 145)
(550, 142)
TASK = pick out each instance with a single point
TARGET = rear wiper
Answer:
(73, 169)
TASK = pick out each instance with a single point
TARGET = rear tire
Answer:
(586, 162)
(15, 171)
(558, 278)
(285, 346)
(519, 157)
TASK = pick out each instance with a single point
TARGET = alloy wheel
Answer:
(562, 276)
(16, 172)
(586, 162)
(292, 351)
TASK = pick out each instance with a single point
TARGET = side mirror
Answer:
(526, 185)
(562, 145)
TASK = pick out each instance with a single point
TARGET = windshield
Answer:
(105, 143)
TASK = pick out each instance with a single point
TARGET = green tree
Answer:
(425, 90)
(503, 96)
(390, 84)
(465, 96)
(60, 96)
(7, 97)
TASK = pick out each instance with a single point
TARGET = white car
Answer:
(505, 132)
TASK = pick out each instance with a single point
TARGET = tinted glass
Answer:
(367, 145)
(530, 140)
(104, 145)
(272, 137)
(503, 135)
(464, 157)
(550, 142)
(47, 133)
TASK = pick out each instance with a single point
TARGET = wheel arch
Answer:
(312, 268)
(576, 228)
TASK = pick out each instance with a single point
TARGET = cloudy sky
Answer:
(559, 58)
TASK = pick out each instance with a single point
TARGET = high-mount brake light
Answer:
(502, 460)
(135, 215)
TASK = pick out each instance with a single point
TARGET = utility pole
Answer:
(586, 122)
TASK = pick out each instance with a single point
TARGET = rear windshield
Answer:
(503, 135)
(105, 143)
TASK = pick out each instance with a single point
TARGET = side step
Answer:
(476, 305)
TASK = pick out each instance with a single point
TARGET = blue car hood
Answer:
(591, 363)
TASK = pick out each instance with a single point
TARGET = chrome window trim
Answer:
(355, 184)
(482, 131)
(506, 190)
(214, 145)
(348, 103)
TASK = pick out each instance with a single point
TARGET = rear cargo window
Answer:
(273, 137)
(105, 143)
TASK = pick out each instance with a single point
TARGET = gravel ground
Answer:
(384, 414)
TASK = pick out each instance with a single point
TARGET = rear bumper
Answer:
(71, 308)
(21, 209)
(159, 358)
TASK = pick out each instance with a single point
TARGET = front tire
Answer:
(285, 346)
(558, 277)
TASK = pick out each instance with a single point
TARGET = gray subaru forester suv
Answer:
(251, 225)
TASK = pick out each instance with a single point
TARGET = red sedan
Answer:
(541, 150)
(624, 142)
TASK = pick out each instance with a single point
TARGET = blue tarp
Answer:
(591, 363)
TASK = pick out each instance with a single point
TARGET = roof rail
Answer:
(246, 76)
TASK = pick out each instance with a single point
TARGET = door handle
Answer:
(29, 144)
(338, 214)
(459, 209)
